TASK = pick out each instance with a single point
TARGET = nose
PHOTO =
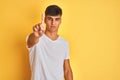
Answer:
(53, 22)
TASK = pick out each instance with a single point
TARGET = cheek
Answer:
(59, 23)
(47, 23)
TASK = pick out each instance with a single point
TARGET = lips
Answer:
(52, 26)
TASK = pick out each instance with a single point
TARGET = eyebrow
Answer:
(52, 18)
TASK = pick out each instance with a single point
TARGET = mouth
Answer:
(53, 26)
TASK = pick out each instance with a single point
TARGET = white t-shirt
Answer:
(47, 58)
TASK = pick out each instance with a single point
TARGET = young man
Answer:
(49, 52)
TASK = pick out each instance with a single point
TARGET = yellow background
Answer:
(92, 28)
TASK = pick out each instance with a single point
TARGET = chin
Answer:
(53, 30)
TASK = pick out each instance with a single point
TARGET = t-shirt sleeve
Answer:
(26, 42)
(67, 54)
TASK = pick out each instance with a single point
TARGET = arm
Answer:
(67, 70)
(32, 40)
(37, 33)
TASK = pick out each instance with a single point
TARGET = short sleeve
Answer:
(26, 41)
(67, 54)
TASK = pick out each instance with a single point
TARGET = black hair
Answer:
(53, 10)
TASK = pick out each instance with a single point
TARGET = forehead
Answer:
(57, 16)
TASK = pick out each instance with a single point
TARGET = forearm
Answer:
(68, 75)
(32, 40)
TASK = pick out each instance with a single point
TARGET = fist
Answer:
(38, 30)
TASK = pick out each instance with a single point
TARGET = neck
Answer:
(51, 35)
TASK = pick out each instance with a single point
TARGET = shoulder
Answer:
(63, 40)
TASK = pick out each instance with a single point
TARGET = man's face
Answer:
(52, 23)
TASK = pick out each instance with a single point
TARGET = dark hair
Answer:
(53, 10)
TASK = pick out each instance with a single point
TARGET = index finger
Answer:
(43, 18)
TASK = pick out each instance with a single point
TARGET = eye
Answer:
(49, 18)
(57, 19)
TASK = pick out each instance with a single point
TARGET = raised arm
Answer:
(38, 30)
